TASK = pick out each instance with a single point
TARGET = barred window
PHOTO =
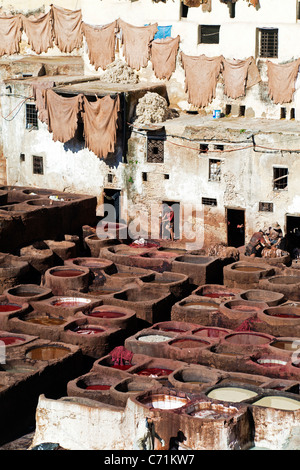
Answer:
(280, 178)
(209, 34)
(37, 165)
(155, 149)
(31, 117)
(265, 207)
(268, 42)
(208, 201)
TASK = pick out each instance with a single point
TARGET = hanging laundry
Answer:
(235, 75)
(282, 78)
(38, 30)
(163, 56)
(62, 115)
(136, 43)
(67, 27)
(101, 43)
(201, 75)
(253, 74)
(163, 32)
(10, 34)
(100, 124)
(39, 91)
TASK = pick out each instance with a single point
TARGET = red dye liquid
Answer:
(7, 340)
(121, 366)
(88, 331)
(9, 308)
(285, 315)
(98, 387)
(154, 371)
(67, 273)
(176, 330)
(106, 314)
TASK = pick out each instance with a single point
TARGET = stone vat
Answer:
(200, 269)
(63, 278)
(27, 292)
(271, 298)
(288, 285)
(197, 310)
(244, 275)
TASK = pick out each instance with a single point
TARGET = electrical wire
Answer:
(254, 146)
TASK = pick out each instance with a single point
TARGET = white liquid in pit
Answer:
(232, 394)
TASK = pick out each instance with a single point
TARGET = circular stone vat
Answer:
(231, 394)
(94, 264)
(278, 402)
(70, 302)
(258, 295)
(173, 327)
(27, 292)
(164, 401)
(10, 340)
(216, 291)
(193, 376)
(188, 343)
(247, 338)
(63, 278)
(47, 353)
(285, 280)
(241, 308)
(208, 410)
(283, 315)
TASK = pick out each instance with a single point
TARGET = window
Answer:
(184, 10)
(214, 170)
(208, 34)
(265, 207)
(208, 201)
(155, 150)
(203, 148)
(110, 178)
(37, 165)
(280, 178)
(268, 42)
(31, 117)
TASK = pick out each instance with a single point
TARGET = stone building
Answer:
(241, 169)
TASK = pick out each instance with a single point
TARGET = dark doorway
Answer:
(174, 207)
(112, 200)
(235, 227)
(293, 235)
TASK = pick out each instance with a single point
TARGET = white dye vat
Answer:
(231, 394)
(279, 403)
(165, 402)
(153, 338)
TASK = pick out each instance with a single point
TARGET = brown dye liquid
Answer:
(47, 353)
(47, 321)
(248, 269)
(285, 345)
(67, 273)
(188, 343)
(26, 293)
